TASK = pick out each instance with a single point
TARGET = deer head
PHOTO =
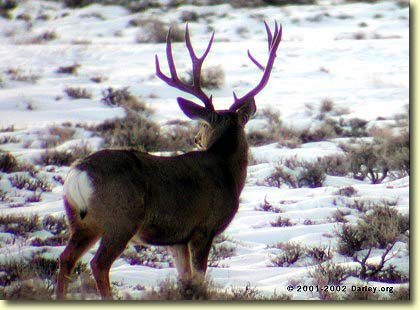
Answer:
(215, 123)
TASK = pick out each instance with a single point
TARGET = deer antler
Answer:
(197, 62)
(273, 44)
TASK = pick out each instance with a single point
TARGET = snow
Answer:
(318, 58)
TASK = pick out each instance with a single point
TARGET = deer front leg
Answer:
(200, 246)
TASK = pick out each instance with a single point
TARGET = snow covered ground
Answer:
(355, 54)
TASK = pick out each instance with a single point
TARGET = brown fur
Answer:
(182, 201)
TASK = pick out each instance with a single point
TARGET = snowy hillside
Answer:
(326, 203)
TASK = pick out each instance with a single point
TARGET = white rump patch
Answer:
(78, 188)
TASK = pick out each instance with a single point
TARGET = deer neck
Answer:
(232, 148)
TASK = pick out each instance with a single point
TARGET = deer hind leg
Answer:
(109, 250)
(80, 241)
(181, 254)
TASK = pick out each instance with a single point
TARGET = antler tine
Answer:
(169, 56)
(273, 42)
(260, 66)
(269, 35)
(174, 81)
(269, 41)
(197, 62)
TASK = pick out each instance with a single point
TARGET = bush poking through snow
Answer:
(281, 222)
(20, 75)
(297, 174)
(189, 16)
(396, 151)
(57, 135)
(56, 226)
(171, 290)
(123, 98)
(221, 248)
(347, 191)
(151, 256)
(8, 162)
(380, 226)
(266, 206)
(137, 129)
(72, 69)
(366, 162)
(155, 30)
(212, 77)
(329, 274)
(270, 133)
(320, 254)
(6, 6)
(78, 93)
(30, 278)
(64, 158)
(379, 272)
(23, 181)
(291, 252)
(19, 225)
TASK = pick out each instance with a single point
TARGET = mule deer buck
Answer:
(182, 202)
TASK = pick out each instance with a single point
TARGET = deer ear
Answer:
(193, 110)
(246, 111)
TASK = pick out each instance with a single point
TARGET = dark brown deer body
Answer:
(182, 202)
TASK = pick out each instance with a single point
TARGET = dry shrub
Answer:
(8, 162)
(291, 252)
(57, 135)
(9, 139)
(320, 254)
(290, 2)
(72, 69)
(336, 165)
(354, 127)
(78, 93)
(380, 226)
(347, 191)
(132, 131)
(123, 98)
(267, 207)
(270, 133)
(221, 248)
(6, 6)
(396, 151)
(64, 158)
(189, 16)
(151, 256)
(212, 77)
(137, 129)
(297, 174)
(30, 182)
(367, 160)
(281, 222)
(30, 278)
(327, 105)
(19, 225)
(401, 293)
(20, 75)
(328, 274)
(171, 290)
(155, 31)
(361, 295)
